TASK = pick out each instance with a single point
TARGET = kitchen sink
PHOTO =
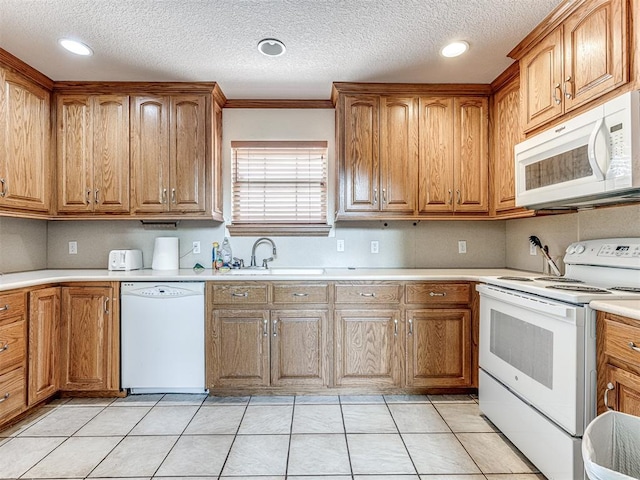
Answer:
(276, 271)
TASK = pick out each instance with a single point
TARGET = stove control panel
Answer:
(613, 252)
(616, 250)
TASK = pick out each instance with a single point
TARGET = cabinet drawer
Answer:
(300, 293)
(622, 341)
(437, 292)
(369, 293)
(12, 345)
(11, 306)
(12, 394)
(240, 294)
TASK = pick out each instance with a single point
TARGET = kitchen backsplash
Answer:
(23, 244)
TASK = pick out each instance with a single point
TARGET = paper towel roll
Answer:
(166, 254)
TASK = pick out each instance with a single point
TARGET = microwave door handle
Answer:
(591, 150)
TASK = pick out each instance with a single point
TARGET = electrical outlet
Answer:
(533, 250)
(73, 248)
(375, 246)
(340, 245)
(196, 248)
(462, 246)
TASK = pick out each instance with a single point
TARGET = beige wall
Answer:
(23, 244)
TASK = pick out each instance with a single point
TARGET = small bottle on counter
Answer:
(225, 253)
(215, 253)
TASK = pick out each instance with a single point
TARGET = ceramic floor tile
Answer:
(318, 454)
(226, 400)
(62, 422)
(201, 455)
(317, 419)
(211, 420)
(20, 454)
(368, 419)
(257, 455)
(267, 419)
(263, 478)
(57, 402)
(317, 400)
(161, 420)
(318, 477)
(76, 457)
(360, 399)
(385, 477)
(438, 453)
(272, 400)
(418, 418)
(451, 399)
(406, 399)
(517, 476)
(381, 454)
(113, 421)
(479, 476)
(135, 457)
(28, 421)
(88, 402)
(464, 417)
(494, 453)
(146, 400)
(182, 399)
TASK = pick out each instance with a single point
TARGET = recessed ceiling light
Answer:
(454, 49)
(271, 47)
(76, 47)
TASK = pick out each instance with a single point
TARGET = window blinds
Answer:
(279, 182)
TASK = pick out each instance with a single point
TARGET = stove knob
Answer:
(580, 248)
(570, 250)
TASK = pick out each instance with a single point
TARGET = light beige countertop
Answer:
(40, 277)
(625, 308)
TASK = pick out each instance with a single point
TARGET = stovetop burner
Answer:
(578, 288)
(518, 279)
(626, 289)
(559, 279)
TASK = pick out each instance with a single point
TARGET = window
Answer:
(279, 188)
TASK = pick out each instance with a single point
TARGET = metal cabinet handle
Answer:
(566, 93)
(459, 197)
(173, 195)
(5, 397)
(395, 327)
(437, 294)
(610, 387)
(450, 197)
(96, 197)
(300, 294)
(243, 294)
(265, 327)
(411, 326)
(88, 198)
(555, 97)
(164, 195)
(3, 192)
(6, 307)
(106, 304)
(6, 347)
(375, 196)
(384, 195)
(633, 347)
(275, 328)
(363, 294)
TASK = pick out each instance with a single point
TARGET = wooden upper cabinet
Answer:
(25, 164)
(361, 153)
(398, 153)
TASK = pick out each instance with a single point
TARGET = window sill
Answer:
(279, 230)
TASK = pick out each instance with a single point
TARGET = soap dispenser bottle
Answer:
(225, 250)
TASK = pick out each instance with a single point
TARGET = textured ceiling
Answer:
(215, 40)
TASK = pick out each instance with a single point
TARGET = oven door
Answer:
(535, 347)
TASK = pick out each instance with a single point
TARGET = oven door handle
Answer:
(530, 303)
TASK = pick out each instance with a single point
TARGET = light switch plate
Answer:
(462, 246)
(340, 245)
(73, 248)
(196, 248)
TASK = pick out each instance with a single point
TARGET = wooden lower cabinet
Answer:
(438, 348)
(44, 343)
(623, 391)
(89, 357)
(13, 354)
(368, 348)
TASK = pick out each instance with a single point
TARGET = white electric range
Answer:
(538, 350)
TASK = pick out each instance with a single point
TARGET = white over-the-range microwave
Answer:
(592, 159)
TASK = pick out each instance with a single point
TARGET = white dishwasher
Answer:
(162, 337)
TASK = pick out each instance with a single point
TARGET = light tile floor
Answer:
(392, 437)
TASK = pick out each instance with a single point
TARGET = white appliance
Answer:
(125, 260)
(538, 350)
(166, 254)
(591, 159)
(162, 337)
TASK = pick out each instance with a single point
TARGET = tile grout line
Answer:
(346, 439)
(415, 469)
(293, 413)
(235, 436)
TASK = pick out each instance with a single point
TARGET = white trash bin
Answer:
(611, 447)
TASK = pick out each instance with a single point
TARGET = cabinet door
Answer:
(506, 134)
(361, 154)
(299, 347)
(471, 154)
(149, 154)
(439, 348)
(368, 348)
(111, 153)
(595, 51)
(436, 155)
(238, 348)
(44, 343)
(625, 395)
(216, 174)
(74, 153)
(188, 153)
(398, 154)
(541, 81)
(86, 338)
(25, 176)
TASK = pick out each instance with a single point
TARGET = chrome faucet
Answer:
(253, 251)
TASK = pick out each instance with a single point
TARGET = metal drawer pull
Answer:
(6, 307)
(300, 294)
(6, 347)
(265, 327)
(459, 197)
(97, 198)
(384, 195)
(244, 294)
(411, 326)
(362, 294)
(450, 197)
(106, 305)
(555, 97)
(275, 328)
(375, 196)
(437, 294)
(566, 92)
(164, 195)
(606, 395)
(5, 397)
(173, 195)
(395, 327)
(3, 193)
(633, 346)
(88, 199)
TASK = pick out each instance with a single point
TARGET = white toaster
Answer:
(125, 259)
